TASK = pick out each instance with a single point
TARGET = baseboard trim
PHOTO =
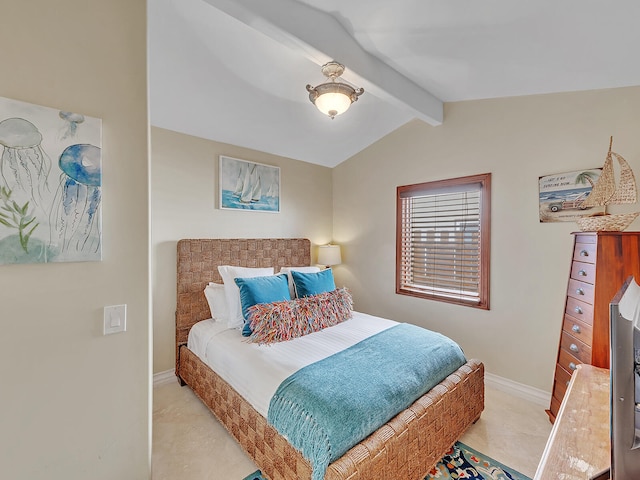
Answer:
(535, 395)
(161, 378)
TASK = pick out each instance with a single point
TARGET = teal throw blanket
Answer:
(327, 407)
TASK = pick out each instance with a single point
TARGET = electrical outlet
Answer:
(115, 319)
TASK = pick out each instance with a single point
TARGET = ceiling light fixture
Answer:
(333, 98)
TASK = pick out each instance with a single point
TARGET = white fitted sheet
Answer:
(256, 371)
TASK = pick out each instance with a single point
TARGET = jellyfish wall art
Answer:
(50, 185)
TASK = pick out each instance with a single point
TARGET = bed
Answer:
(406, 447)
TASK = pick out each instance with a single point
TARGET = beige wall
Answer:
(184, 183)
(517, 140)
(75, 403)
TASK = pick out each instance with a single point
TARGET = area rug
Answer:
(461, 462)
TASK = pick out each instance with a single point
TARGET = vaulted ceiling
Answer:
(235, 71)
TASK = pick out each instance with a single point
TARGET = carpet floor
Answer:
(461, 462)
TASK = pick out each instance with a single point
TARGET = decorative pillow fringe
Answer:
(281, 321)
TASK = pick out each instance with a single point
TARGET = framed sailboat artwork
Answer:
(249, 186)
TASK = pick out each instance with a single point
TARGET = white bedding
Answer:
(256, 371)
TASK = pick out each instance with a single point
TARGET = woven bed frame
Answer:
(405, 448)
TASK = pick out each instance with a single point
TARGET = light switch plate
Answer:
(115, 319)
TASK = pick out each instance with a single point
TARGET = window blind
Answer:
(440, 251)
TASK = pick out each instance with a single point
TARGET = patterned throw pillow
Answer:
(281, 321)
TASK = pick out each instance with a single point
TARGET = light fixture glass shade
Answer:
(333, 103)
(329, 255)
(333, 98)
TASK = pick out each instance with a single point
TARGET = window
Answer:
(442, 240)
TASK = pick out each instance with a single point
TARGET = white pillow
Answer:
(232, 292)
(217, 301)
(288, 271)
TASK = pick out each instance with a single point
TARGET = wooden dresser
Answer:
(601, 263)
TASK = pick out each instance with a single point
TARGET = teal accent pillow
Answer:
(269, 289)
(308, 284)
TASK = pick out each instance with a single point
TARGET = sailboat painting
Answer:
(248, 185)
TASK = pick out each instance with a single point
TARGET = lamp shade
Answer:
(329, 255)
(333, 103)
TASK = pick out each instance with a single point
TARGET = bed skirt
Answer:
(405, 448)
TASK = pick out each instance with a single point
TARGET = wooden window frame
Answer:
(484, 180)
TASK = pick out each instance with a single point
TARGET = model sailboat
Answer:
(607, 192)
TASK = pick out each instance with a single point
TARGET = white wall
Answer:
(517, 140)
(75, 403)
(185, 205)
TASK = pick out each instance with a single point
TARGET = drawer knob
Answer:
(572, 366)
(573, 347)
(578, 310)
(584, 253)
(576, 329)
(582, 273)
(579, 291)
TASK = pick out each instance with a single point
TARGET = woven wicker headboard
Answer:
(198, 261)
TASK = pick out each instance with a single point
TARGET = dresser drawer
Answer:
(580, 310)
(581, 290)
(578, 349)
(568, 361)
(585, 252)
(577, 329)
(584, 272)
(562, 376)
(559, 389)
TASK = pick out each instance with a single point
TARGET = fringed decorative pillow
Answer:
(281, 321)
